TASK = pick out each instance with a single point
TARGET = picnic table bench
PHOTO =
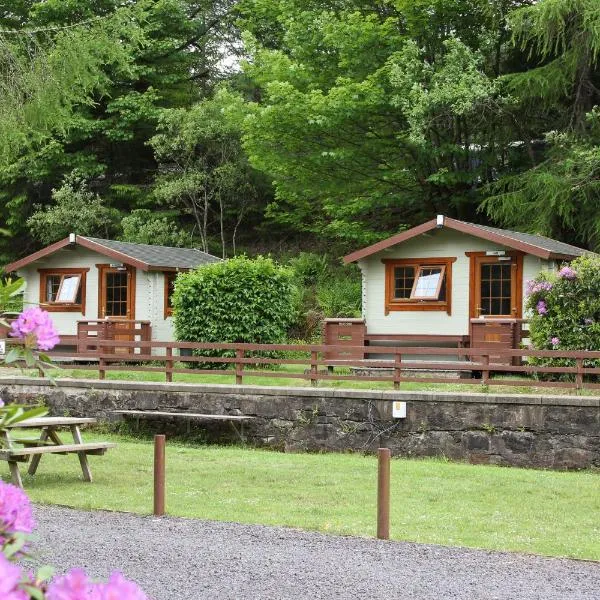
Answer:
(49, 442)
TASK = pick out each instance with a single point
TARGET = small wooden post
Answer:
(314, 368)
(169, 365)
(101, 370)
(397, 370)
(579, 374)
(159, 475)
(383, 493)
(239, 368)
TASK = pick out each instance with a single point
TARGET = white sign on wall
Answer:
(399, 410)
(2, 347)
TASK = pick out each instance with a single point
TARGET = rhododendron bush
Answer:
(564, 308)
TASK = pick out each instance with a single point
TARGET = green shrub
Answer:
(340, 296)
(239, 300)
(564, 308)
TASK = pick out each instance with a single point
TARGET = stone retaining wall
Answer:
(561, 432)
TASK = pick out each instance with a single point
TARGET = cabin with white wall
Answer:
(448, 282)
(91, 285)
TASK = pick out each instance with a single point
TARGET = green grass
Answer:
(433, 501)
(269, 380)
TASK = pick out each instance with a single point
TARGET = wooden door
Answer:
(117, 300)
(496, 286)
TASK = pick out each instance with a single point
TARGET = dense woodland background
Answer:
(288, 125)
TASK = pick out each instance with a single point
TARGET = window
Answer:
(170, 277)
(63, 290)
(418, 284)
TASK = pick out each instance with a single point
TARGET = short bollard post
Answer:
(159, 475)
(383, 494)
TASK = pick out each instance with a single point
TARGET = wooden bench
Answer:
(49, 442)
(159, 414)
(41, 447)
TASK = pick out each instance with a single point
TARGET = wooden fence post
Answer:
(239, 368)
(383, 493)
(579, 374)
(314, 368)
(485, 372)
(169, 365)
(159, 475)
(397, 370)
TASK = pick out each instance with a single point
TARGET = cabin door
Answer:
(117, 300)
(496, 286)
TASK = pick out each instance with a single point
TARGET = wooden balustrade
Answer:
(312, 363)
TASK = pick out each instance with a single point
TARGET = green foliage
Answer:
(11, 295)
(239, 300)
(340, 297)
(144, 226)
(77, 210)
(567, 315)
(205, 171)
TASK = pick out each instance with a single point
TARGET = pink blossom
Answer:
(119, 588)
(35, 328)
(534, 287)
(15, 511)
(542, 308)
(567, 273)
(555, 341)
(75, 585)
(10, 577)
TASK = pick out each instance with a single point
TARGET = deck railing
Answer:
(397, 365)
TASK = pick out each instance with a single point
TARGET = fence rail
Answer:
(394, 364)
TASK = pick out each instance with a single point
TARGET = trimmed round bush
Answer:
(564, 307)
(238, 300)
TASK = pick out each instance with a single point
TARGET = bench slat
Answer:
(88, 448)
(198, 416)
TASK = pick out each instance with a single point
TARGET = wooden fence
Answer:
(397, 365)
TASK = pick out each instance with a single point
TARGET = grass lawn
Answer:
(433, 501)
(269, 380)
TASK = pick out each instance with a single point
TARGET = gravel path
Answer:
(181, 559)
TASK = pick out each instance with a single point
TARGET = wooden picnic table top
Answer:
(51, 422)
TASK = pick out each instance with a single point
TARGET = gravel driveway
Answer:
(181, 559)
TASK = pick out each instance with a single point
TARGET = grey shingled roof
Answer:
(158, 256)
(540, 241)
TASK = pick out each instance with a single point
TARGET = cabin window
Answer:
(63, 290)
(418, 284)
(170, 277)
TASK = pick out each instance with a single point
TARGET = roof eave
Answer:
(23, 262)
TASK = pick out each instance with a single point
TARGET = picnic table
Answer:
(16, 450)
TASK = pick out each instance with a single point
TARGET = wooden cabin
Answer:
(95, 287)
(447, 283)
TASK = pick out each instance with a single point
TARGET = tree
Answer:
(372, 118)
(173, 50)
(76, 210)
(203, 168)
(558, 193)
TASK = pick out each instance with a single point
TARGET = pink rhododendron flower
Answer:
(10, 577)
(555, 341)
(15, 511)
(35, 329)
(119, 588)
(533, 287)
(75, 585)
(567, 273)
(542, 308)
